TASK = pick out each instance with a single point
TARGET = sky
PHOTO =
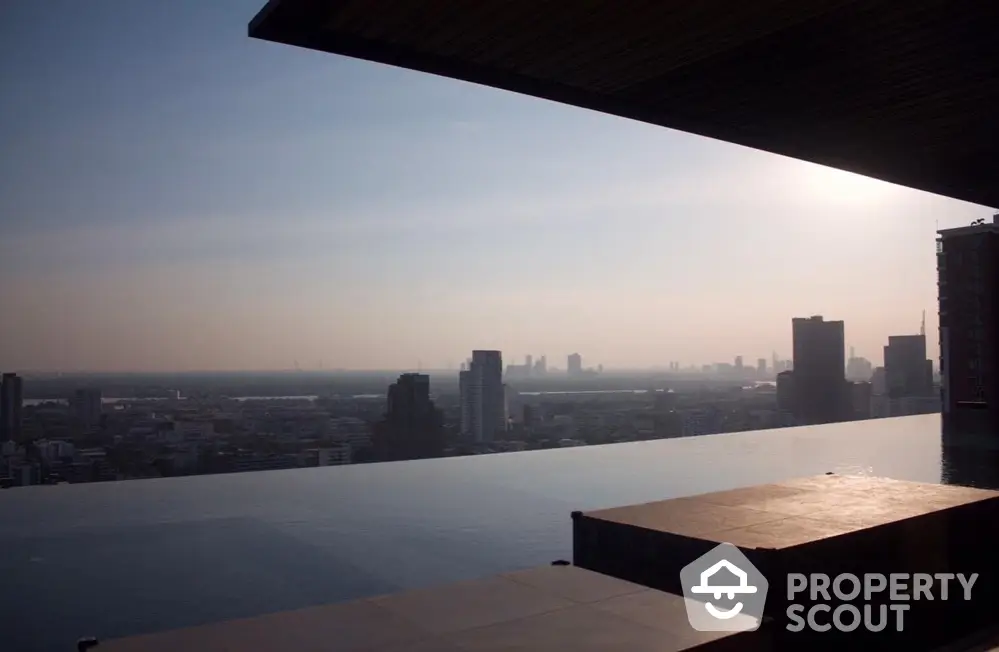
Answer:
(177, 196)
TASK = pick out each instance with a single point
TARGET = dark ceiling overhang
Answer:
(904, 91)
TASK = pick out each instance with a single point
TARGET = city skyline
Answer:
(447, 367)
(420, 365)
(669, 364)
(215, 203)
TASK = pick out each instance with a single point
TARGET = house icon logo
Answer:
(723, 591)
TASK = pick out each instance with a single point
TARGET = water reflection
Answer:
(185, 551)
(971, 461)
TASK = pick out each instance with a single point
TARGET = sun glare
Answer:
(830, 184)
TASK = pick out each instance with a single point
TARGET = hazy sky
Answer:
(175, 195)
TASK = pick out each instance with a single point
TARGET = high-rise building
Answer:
(412, 427)
(11, 399)
(464, 392)
(409, 399)
(520, 371)
(968, 289)
(820, 389)
(785, 392)
(574, 364)
(483, 396)
(86, 406)
(879, 382)
(507, 395)
(738, 363)
(529, 415)
(761, 366)
(907, 371)
(860, 399)
(858, 368)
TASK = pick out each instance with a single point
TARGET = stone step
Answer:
(832, 525)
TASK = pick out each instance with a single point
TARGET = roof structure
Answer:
(900, 90)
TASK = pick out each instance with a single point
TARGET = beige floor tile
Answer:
(464, 605)
(686, 516)
(348, 626)
(426, 645)
(574, 583)
(661, 611)
(344, 627)
(192, 639)
(580, 628)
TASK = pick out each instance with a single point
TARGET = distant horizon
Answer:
(749, 362)
(400, 370)
(749, 365)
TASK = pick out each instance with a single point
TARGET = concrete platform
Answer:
(542, 609)
(827, 524)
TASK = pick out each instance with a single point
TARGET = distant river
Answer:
(362, 397)
(593, 391)
(107, 401)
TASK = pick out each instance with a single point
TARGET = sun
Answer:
(832, 185)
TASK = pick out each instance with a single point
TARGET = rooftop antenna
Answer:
(922, 326)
